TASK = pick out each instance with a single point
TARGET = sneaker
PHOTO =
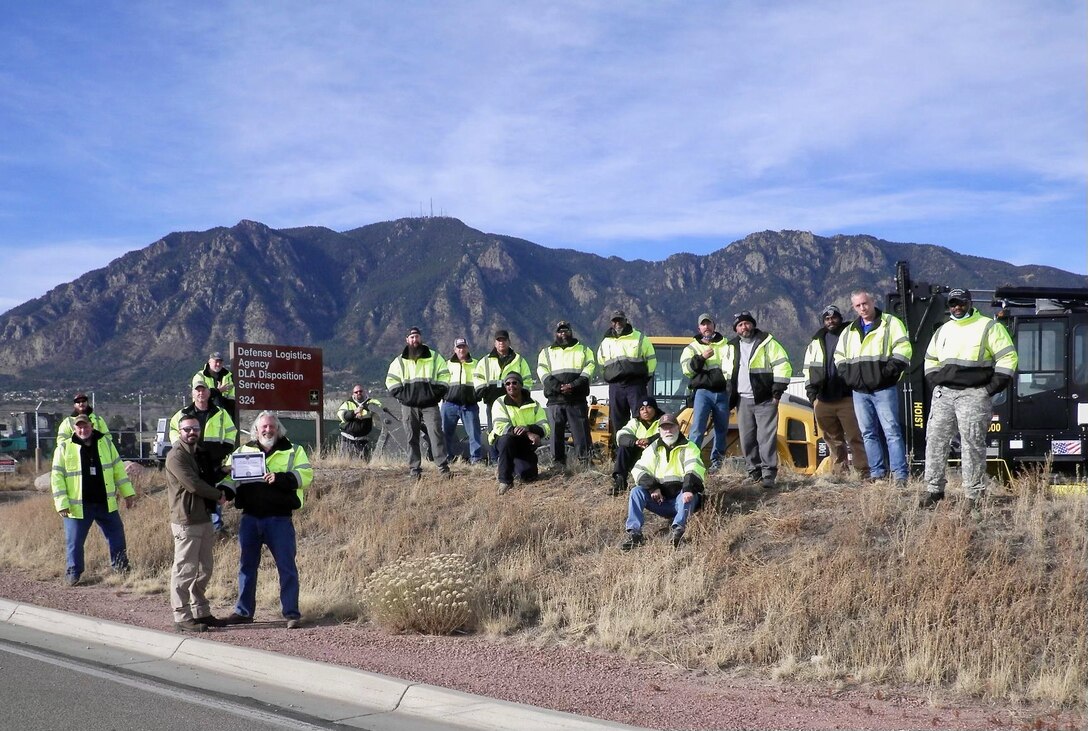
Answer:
(715, 466)
(930, 499)
(633, 540)
(767, 483)
(756, 477)
(210, 621)
(294, 623)
(504, 487)
(676, 536)
(236, 618)
(189, 625)
(619, 485)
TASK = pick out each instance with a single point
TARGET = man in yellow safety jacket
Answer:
(518, 426)
(760, 373)
(669, 480)
(969, 359)
(87, 477)
(419, 378)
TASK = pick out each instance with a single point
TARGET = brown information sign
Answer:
(277, 377)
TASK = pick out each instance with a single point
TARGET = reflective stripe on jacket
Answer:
(972, 352)
(68, 427)
(505, 415)
(874, 361)
(558, 365)
(257, 497)
(225, 384)
(462, 388)
(420, 382)
(675, 469)
(219, 430)
(707, 373)
(490, 373)
(769, 369)
(67, 477)
(627, 358)
(636, 429)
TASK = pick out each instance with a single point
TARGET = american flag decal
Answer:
(1065, 446)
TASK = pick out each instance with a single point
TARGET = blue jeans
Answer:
(75, 535)
(278, 533)
(878, 412)
(675, 509)
(470, 417)
(710, 405)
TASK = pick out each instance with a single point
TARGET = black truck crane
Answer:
(1043, 416)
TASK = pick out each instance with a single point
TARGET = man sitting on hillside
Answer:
(637, 434)
(518, 426)
(668, 481)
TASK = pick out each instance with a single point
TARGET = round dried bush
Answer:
(432, 595)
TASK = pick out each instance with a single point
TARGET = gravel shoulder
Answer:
(566, 679)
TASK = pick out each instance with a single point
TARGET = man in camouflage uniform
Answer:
(969, 359)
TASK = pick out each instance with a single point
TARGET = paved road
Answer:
(49, 692)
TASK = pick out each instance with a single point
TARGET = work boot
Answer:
(619, 485)
(930, 499)
(210, 621)
(236, 618)
(715, 465)
(974, 508)
(189, 625)
(634, 540)
(767, 483)
(71, 579)
(676, 536)
(504, 487)
(756, 476)
(294, 623)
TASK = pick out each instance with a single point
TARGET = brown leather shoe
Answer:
(210, 621)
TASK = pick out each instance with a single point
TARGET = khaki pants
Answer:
(191, 571)
(839, 426)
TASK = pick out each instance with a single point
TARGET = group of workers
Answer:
(852, 370)
(88, 479)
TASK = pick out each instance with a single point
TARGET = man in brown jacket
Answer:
(192, 501)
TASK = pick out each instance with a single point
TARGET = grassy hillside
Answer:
(821, 580)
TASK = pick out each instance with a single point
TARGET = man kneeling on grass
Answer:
(668, 481)
(518, 426)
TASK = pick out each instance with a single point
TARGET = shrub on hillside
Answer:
(433, 594)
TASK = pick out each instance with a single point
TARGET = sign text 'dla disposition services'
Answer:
(277, 377)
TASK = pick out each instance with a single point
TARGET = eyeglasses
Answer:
(190, 428)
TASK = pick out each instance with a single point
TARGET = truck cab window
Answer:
(1041, 347)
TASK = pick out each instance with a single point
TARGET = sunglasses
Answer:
(511, 383)
(745, 313)
(190, 428)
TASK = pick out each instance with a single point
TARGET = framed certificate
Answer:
(247, 466)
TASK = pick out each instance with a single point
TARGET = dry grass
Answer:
(823, 580)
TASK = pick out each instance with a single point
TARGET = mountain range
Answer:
(148, 320)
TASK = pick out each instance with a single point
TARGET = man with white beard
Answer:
(267, 502)
(668, 480)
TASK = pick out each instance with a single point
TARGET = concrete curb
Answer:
(381, 693)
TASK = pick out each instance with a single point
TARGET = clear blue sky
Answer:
(636, 129)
